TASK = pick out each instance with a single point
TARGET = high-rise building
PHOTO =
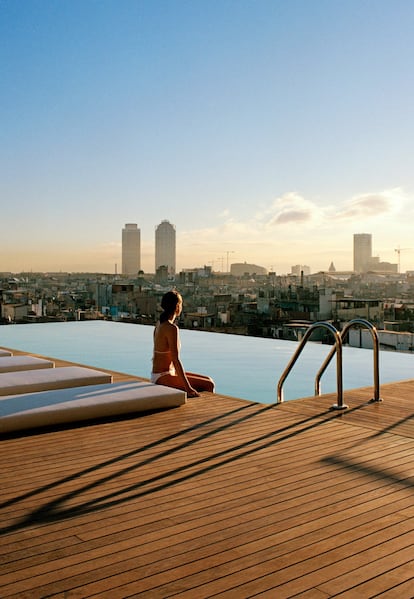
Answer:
(362, 252)
(131, 249)
(165, 246)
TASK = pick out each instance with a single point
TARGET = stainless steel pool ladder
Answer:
(337, 348)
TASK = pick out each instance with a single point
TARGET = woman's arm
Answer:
(174, 345)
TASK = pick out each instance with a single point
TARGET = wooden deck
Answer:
(217, 498)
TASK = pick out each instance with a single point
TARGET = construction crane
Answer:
(399, 250)
(228, 253)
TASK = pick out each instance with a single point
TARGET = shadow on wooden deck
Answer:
(220, 497)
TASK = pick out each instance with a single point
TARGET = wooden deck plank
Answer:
(218, 497)
(214, 566)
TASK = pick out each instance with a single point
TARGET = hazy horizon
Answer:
(269, 132)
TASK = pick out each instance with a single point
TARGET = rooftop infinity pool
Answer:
(244, 367)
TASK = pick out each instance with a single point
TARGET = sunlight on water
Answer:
(245, 367)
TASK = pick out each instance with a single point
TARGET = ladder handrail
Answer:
(352, 323)
(338, 349)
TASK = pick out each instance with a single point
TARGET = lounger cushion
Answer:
(30, 381)
(4, 353)
(13, 363)
(19, 412)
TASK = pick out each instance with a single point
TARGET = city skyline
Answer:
(267, 132)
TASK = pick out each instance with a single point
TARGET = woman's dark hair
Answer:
(169, 303)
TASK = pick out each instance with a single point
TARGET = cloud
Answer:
(370, 205)
(291, 208)
(291, 212)
(293, 229)
(291, 216)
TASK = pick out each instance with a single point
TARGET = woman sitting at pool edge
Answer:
(167, 368)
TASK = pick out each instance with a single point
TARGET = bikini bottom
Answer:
(156, 375)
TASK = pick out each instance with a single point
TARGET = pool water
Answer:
(244, 367)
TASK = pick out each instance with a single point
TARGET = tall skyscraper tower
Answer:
(362, 251)
(131, 249)
(165, 246)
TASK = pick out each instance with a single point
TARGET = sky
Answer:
(267, 132)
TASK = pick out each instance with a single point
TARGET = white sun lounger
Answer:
(32, 410)
(4, 353)
(30, 381)
(13, 363)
